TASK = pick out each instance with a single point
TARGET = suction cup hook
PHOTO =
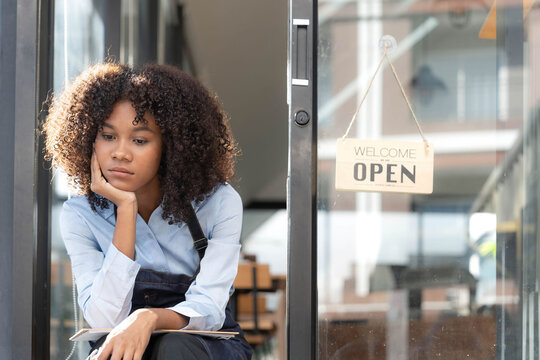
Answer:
(388, 42)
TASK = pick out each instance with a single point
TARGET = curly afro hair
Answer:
(198, 152)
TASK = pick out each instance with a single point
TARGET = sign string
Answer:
(385, 56)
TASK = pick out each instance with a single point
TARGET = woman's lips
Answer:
(120, 172)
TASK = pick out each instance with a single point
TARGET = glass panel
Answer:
(79, 42)
(453, 274)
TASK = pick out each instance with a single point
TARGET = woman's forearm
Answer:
(124, 231)
(164, 318)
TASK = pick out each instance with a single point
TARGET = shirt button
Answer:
(131, 272)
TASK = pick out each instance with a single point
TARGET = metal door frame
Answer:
(26, 74)
(302, 181)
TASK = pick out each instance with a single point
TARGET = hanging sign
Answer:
(384, 166)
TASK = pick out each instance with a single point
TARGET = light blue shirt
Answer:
(105, 277)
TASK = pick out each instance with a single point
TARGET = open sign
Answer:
(384, 166)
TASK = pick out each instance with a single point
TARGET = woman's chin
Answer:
(121, 185)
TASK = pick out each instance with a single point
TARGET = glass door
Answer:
(452, 274)
(88, 32)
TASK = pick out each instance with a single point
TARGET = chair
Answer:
(260, 326)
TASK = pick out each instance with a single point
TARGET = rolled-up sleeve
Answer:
(104, 281)
(207, 297)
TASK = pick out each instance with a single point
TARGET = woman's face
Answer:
(129, 155)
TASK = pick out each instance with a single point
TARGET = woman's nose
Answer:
(121, 152)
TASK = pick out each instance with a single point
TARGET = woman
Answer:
(150, 153)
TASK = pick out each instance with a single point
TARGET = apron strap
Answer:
(199, 240)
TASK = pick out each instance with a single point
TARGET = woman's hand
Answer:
(100, 186)
(126, 202)
(129, 339)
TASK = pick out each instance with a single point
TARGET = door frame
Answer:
(302, 181)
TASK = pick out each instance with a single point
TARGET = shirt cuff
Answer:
(196, 320)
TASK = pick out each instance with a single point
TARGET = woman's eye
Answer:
(107, 137)
(139, 141)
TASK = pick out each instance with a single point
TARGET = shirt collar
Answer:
(108, 212)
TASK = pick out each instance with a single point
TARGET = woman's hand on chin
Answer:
(100, 186)
(129, 339)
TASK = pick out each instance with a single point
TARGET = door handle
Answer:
(300, 65)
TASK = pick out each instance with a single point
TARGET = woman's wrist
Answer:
(129, 204)
(163, 318)
(149, 317)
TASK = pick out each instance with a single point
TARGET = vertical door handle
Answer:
(300, 65)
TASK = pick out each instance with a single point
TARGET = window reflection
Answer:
(448, 275)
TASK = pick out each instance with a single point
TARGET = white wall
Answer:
(240, 50)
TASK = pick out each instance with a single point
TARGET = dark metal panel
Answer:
(42, 200)
(302, 182)
(7, 104)
(110, 12)
(23, 190)
(148, 33)
(175, 41)
(33, 24)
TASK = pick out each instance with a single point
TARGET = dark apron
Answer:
(155, 289)
(161, 290)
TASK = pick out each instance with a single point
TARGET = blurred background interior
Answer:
(451, 275)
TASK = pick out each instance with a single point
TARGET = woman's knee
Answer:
(178, 346)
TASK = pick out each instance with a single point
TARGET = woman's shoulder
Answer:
(76, 203)
(79, 205)
(226, 191)
(224, 196)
